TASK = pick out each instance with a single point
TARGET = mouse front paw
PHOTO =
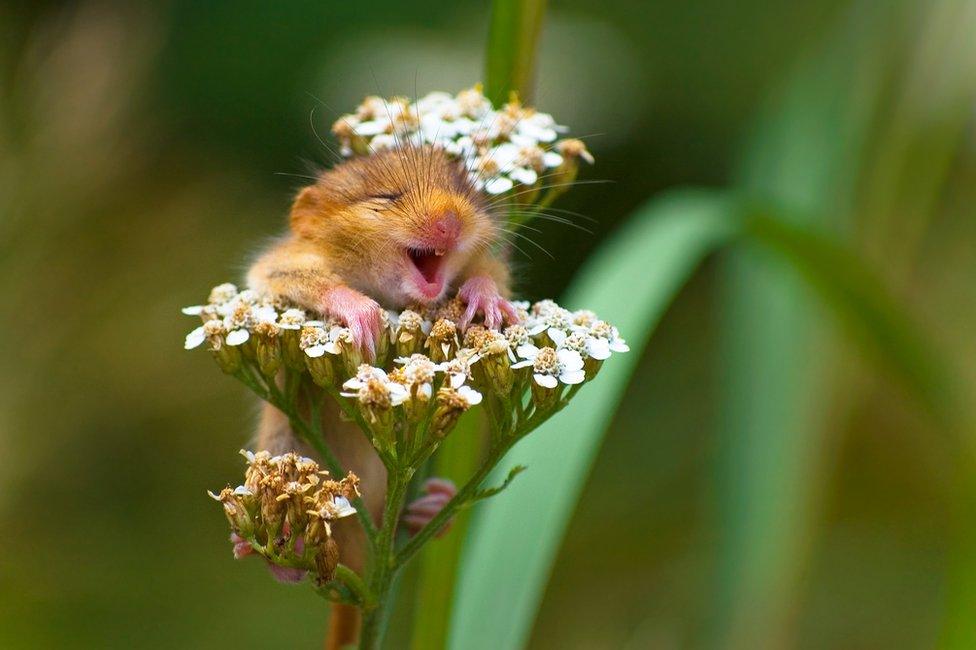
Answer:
(481, 295)
(360, 313)
(438, 492)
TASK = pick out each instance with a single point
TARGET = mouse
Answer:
(378, 232)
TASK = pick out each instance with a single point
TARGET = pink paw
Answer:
(280, 573)
(241, 547)
(361, 314)
(419, 513)
(481, 295)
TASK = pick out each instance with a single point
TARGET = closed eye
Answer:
(386, 196)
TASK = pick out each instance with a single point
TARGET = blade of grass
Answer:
(514, 538)
(777, 346)
(512, 41)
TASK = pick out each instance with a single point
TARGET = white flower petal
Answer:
(343, 507)
(527, 351)
(523, 175)
(237, 337)
(195, 310)
(315, 351)
(194, 339)
(570, 360)
(598, 348)
(619, 345)
(372, 127)
(572, 377)
(552, 159)
(522, 364)
(557, 336)
(546, 380)
(470, 395)
(499, 185)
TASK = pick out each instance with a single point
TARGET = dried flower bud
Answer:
(326, 560)
(442, 342)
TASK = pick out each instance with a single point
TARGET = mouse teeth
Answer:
(439, 252)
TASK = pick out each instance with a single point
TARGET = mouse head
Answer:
(398, 224)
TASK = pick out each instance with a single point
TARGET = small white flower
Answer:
(316, 341)
(553, 319)
(581, 341)
(363, 375)
(419, 372)
(292, 319)
(458, 369)
(551, 366)
(604, 330)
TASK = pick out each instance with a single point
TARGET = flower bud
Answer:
(318, 351)
(442, 342)
(326, 560)
(290, 327)
(267, 348)
(349, 353)
(451, 403)
(227, 357)
(235, 509)
(496, 363)
(409, 337)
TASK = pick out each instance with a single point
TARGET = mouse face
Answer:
(399, 225)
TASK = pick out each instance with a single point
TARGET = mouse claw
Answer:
(481, 295)
(361, 314)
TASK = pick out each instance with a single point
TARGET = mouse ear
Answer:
(306, 210)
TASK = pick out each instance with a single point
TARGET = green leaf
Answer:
(777, 346)
(514, 539)
(486, 493)
(512, 41)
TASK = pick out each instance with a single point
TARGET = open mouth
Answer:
(428, 262)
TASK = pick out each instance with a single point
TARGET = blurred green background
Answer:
(768, 482)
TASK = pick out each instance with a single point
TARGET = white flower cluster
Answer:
(501, 148)
(424, 355)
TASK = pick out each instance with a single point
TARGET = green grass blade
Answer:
(776, 343)
(630, 281)
(512, 42)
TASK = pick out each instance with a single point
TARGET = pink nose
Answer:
(445, 230)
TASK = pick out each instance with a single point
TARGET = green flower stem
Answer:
(383, 567)
(355, 583)
(464, 495)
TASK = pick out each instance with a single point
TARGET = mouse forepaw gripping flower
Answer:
(509, 151)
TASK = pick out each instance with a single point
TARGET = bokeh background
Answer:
(766, 483)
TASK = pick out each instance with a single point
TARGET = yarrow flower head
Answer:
(550, 345)
(502, 148)
(284, 511)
